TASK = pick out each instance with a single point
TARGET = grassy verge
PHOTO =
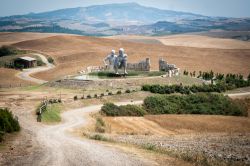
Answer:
(52, 114)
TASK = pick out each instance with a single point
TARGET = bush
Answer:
(168, 89)
(100, 125)
(40, 62)
(95, 96)
(75, 97)
(111, 109)
(119, 92)
(50, 60)
(9, 50)
(200, 103)
(1, 136)
(102, 94)
(89, 97)
(6, 50)
(127, 91)
(110, 93)
(98, 137)
(8, 123)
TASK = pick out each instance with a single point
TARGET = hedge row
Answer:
(168, 89)
(199, 103)
(8, 123)
(111, 109)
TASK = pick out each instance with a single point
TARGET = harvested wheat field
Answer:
(7, 38)
(188, 40)
(8, 79)
(203, 42)
(75, 53)
(177, 124)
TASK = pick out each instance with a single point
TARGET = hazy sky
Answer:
(229, 8)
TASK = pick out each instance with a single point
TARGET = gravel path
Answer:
(25, 74)
(58, 146)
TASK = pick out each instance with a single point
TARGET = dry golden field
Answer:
(177, 124)
(74, 53)
(8, 79)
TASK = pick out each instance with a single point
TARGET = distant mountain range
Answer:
(114, 19)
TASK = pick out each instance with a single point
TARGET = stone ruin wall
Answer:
(141, 66)
(170, 68)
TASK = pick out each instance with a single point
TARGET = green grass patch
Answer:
(52, 113)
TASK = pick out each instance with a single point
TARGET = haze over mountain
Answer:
(113, 19)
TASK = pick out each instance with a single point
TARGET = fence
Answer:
(41, 110)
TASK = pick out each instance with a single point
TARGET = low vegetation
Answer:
(98, 137)
(231, 80)
(110, 109)
(50, 60)
(49, 111)
(52, 114)
(9, 50)
(200, 103)
(222, 84)
(130, 73)
(169, 89)
(100, 125)
(8, 123)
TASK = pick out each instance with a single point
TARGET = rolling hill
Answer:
(75, 53)
(117, 19)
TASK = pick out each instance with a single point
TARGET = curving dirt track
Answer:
(25, 74)
(59, 146)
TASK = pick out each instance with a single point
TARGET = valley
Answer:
(124, 84)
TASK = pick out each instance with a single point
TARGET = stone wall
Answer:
(171, 69)
(141, 66)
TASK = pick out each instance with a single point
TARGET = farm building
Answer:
(25, 62)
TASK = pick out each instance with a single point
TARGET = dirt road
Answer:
(25, 74)
(57, 144)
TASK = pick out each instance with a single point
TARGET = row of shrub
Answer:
(103, 94)
(130, 73)
(199, 103)
(111, 109)
(232, 79)
(8, 123)
(169, 89)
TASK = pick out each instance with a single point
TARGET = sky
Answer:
(226, 8)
